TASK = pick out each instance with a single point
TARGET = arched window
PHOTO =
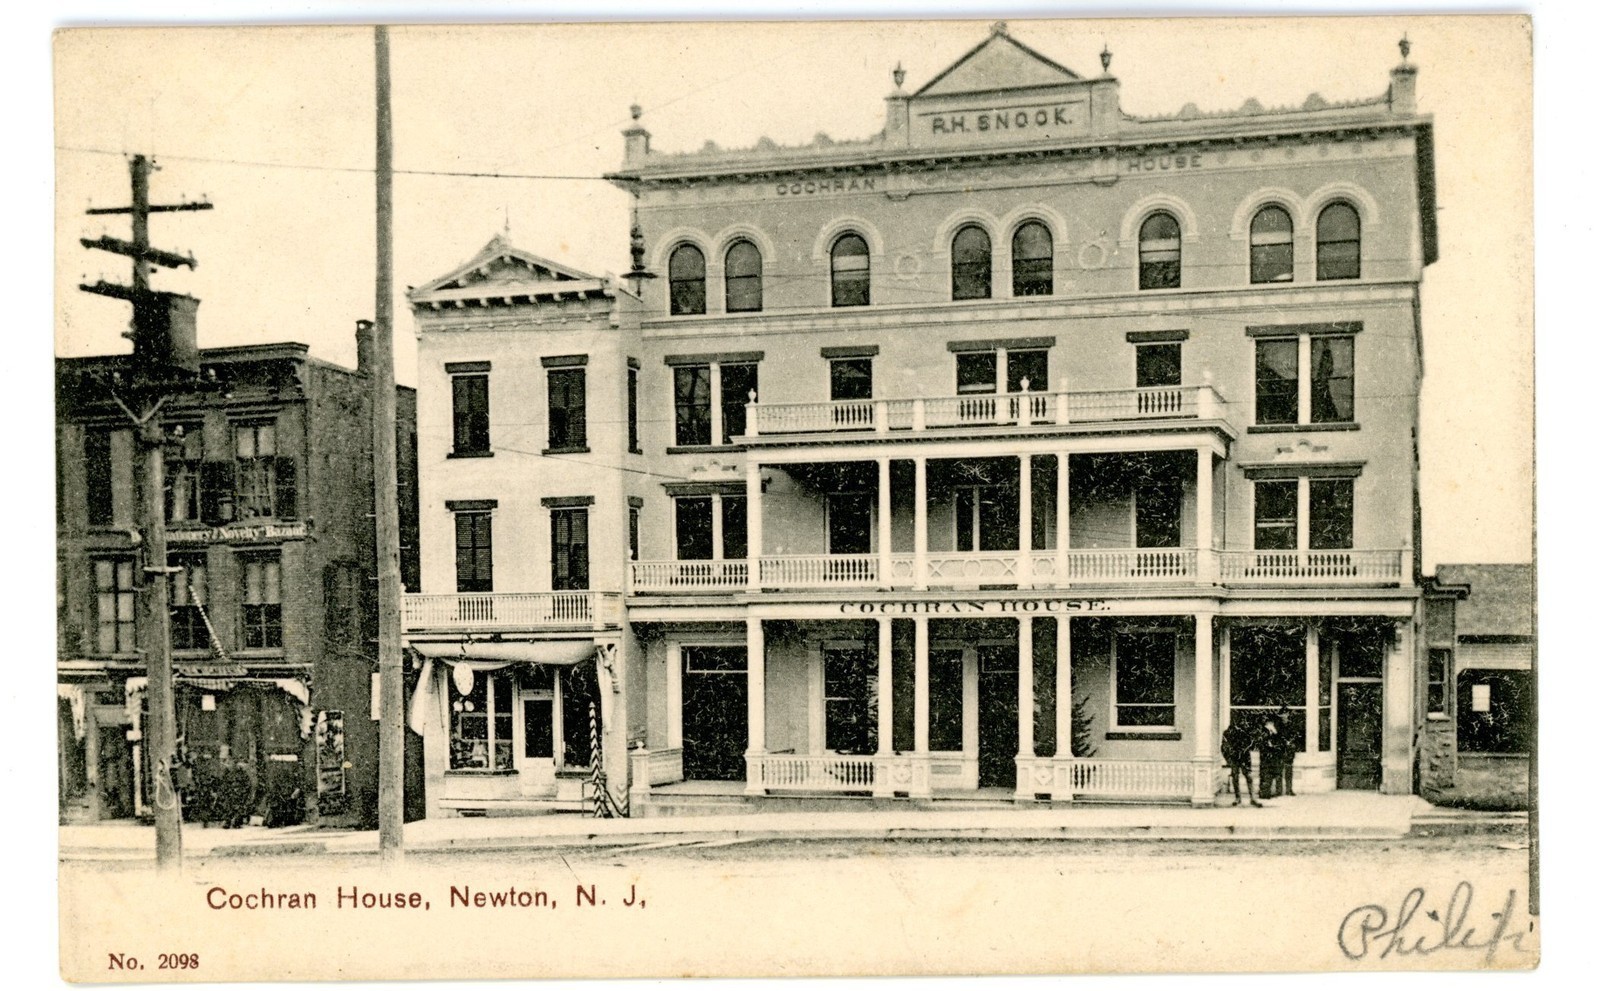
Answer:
(1338, 242)
(1272, 245)
(970, 263)
(686, 280)
(1160, 252)
(742, 276)
(1032, 260)
(851, 268)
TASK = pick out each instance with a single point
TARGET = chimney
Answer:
(364, 347)
(1403, 89)
(636, 139)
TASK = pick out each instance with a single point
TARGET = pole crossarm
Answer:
(101, 211)
(117, 246)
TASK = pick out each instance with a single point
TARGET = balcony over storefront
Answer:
(1126, 567)
(491, 612)
(990, 410)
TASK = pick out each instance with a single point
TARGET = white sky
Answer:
(286, 254)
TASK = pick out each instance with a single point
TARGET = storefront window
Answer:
(1146, 683)
(1494, 711)
(1267, 672)
(850, 691)
(480, 720)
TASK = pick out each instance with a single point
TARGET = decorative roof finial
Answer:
(899, 75)
(1105, 57)
(636, 111)
(638, 274)
(998, 27)
(507, 229)
(1405, 48)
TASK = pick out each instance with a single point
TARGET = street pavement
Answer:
(1339, 815)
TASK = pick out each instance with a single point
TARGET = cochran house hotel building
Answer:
(1013, 452)
(268, 506)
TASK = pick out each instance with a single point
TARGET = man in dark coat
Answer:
(1271, 744)
(1237, 742)
(1287, 747)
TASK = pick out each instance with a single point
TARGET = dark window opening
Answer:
(470, 397)
(188, 599)
(568, 417)
(1032, 367)
(1333, 378)
(1494, 711)
(692, 404)
(970, 263)
(1146, 678)
(1277, 515)
(738, 390)
(975, 371)
(742, 277)
(1278, 381)
(474, 552)
(851, 270)
(686, 281)
(1032, 260)
(850, 378)
(1332, 513)
(1158, 365)
(1160, 252)
(1272, 246)
(569, 549)
(1338, 242)
(263, 602)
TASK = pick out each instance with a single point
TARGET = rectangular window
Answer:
(1158, 513)
(480, 722)
(116, 601)
(945, 699)
(568, 421)
(1146, 678)
(1332, 513)
(1277, 515)
(975, 372)
(188, 599)
(692, 403)
(470, 413)
(633, 411)
(1333, 378)
(693, 528)
(474, 552)
(1494, 711)
(1278, 381)
(738, 383)
(183, 458)
(97, 476)
(850, 700)
(538, 727)
(1438, 681)
(580, 696)
(850, 378)
(1267, 672)
(263, 602)
(1032, 367)
(1158, 365)
(257, 472)
(735, 528)
(569, 549)
(633, 533)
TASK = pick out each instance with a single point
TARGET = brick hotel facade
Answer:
(1012, 452)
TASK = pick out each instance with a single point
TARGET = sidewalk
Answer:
(1340, 815)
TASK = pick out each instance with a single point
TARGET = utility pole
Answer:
(385, 498)
(166, 361)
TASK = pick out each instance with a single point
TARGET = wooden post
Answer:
(391, 721)
(154, 630)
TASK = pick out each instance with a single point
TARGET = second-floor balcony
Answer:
(1024, 409)
(1074, 568)
(488, 612)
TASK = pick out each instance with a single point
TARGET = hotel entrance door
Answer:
(715, 720)
(997, 715)
(1360, 757)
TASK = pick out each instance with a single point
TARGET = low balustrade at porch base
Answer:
(1094, 778)
(882, 775)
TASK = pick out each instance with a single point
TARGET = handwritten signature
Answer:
(1371, 931)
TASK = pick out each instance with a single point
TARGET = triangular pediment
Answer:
(500, 264)
(998, 62)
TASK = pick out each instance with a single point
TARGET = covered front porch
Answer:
(1016, 699)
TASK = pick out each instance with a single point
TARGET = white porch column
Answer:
(756, 703)
(1063, 522)
(716, 526)
(885, 511)
(1224, 677)
(1205, 713)
(885, 686)
(1025, 752)
(1063, 688)
(1025, 520)
(919, 705)
(919, 512)
(1313, 689)
(674, 695)
(1399, 678)
(752, 505)
(716, 403)
(1204, 516)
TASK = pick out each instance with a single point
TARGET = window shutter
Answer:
(216, 491)
(286, 504)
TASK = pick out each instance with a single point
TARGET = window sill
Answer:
(1289, 428)
(1144, 735)
(565, 450)
(1438, 717)
(704, 448)
(259, 653)
(480, 772)
(470, 454)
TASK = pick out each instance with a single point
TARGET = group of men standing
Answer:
(1270, 738)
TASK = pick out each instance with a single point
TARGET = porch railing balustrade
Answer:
(819, 570)
(983, 410)
(676, 576)
(509, 610)
(1312, 567)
